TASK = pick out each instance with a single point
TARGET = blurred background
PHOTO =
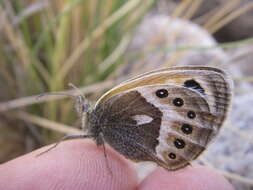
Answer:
(95, 44)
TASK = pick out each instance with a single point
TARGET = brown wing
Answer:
(212, 83)
(206, 94)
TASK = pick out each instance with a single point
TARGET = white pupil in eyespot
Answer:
(162, 93)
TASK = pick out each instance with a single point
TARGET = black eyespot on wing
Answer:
(191, 114)
(162, 93)
(179, 143)
(194, 85)
(172, 155)
(178, 102)
(186, 128)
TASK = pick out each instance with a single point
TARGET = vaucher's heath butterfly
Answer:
(167, 116)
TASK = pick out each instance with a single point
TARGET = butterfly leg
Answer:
(102, 143)
(66, 137)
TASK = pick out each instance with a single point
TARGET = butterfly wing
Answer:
(170, 131)
(187, 124)
(213, 83)
(204, 79)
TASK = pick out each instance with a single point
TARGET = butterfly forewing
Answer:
(175, 76)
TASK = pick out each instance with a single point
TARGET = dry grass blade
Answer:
(180, 9)
(244, 79)
(45, 123)
(72, 60)
(202, 19)
(119, 51)
(240, 133)
(14, 39)
(235, 14)
(21, 102)
(219, 14)
(192, 9)
(34, 8)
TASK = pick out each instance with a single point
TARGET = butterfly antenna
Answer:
(54, 93)
(77, 89)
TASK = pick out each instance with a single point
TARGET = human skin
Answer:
(80, 164)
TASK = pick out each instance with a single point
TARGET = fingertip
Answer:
(192, 177)
(76, 164)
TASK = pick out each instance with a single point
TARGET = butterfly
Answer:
(167, 116)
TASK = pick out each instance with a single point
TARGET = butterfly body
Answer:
(166, 116)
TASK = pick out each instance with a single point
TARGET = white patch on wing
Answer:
(142, 119)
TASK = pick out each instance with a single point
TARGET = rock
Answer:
(230, 151)
(163, 41)
(240, 28)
